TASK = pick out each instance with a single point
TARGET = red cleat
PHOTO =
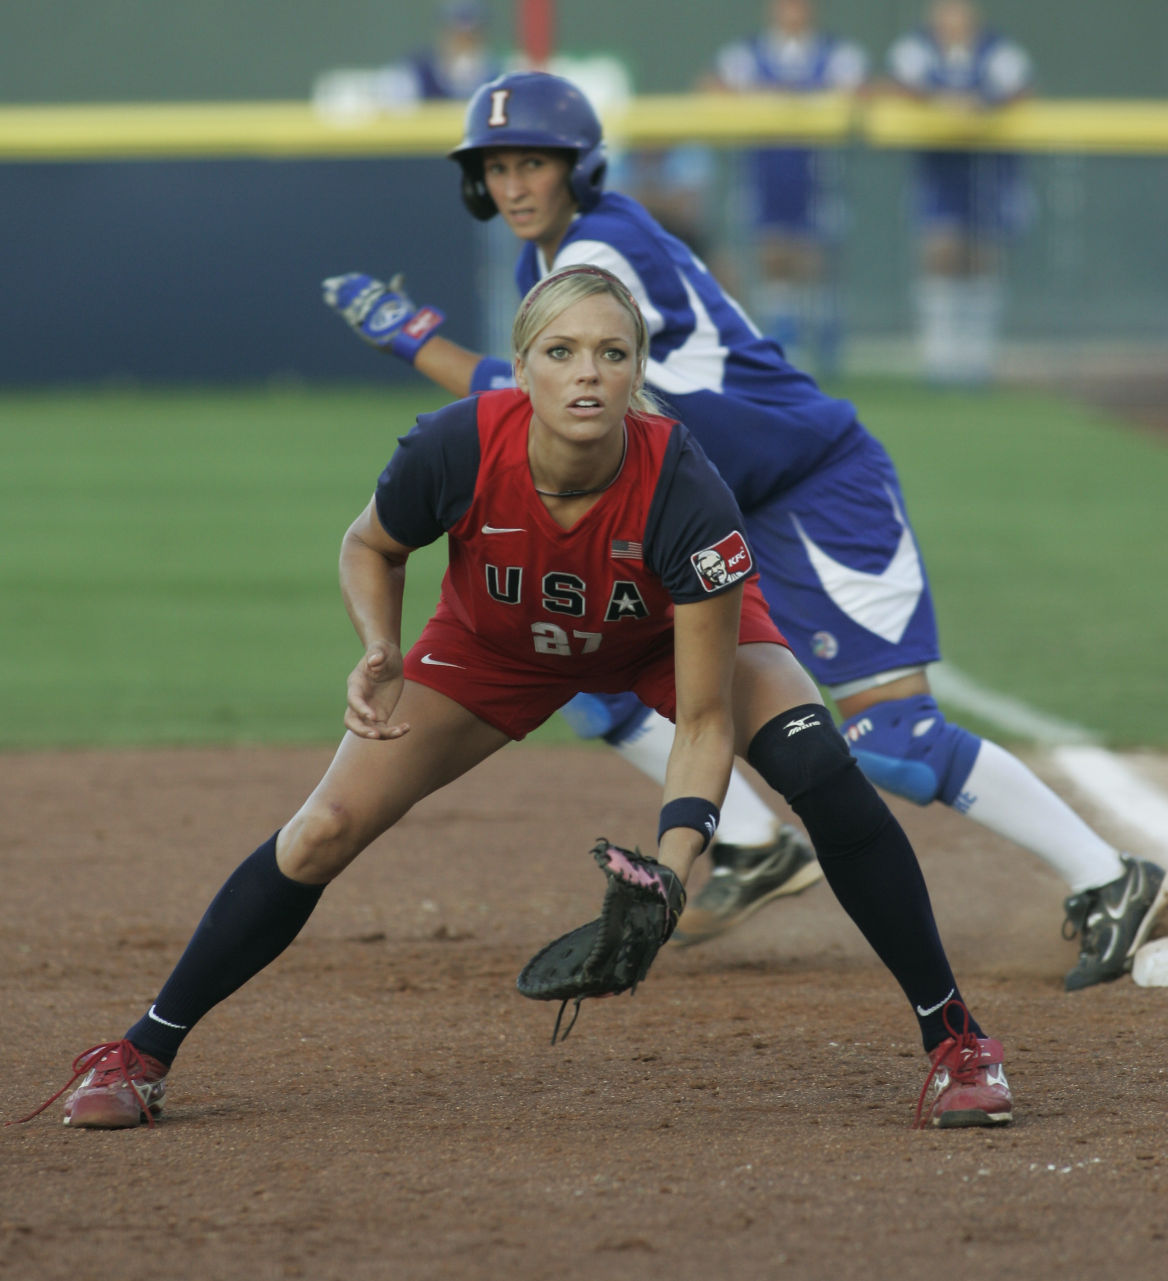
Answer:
(967, 1083)
(120, 1087)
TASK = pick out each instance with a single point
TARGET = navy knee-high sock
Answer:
(252, 919)
(865, 855)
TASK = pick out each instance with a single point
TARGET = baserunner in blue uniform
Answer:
(839, 565)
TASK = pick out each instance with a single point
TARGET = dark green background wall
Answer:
(133, 50)
(210, 269)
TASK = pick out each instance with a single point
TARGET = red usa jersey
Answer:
(585, 600)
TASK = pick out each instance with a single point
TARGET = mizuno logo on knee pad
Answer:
(804, 722)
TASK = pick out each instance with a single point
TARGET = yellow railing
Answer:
(112, 131)
(1102, 125)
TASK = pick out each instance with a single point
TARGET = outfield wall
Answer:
(186, 242)
(210, 270)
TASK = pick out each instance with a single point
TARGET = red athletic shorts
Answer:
(516, 696)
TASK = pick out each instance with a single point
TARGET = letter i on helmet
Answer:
(531, 109)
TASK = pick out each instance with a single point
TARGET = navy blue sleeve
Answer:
(429, 483)
(695, 539)
(526, 269)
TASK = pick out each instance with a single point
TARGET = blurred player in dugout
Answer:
(793, 197)
(456, 62)
(967, 204)
(452, 68)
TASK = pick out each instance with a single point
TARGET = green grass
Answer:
(168, 562)
(1044, 531)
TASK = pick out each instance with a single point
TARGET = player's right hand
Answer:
(374, 687)
(381, 314)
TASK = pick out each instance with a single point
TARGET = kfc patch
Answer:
(724, 563)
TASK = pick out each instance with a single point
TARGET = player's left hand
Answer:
(381, 314)
(374, 687)
(643, 900)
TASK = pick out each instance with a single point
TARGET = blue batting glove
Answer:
(383, 315)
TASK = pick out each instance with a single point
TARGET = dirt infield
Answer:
(382, 1104)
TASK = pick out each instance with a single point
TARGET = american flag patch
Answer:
(623, 549)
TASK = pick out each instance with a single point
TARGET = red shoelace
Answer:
(965, 1069)
(124, 1059)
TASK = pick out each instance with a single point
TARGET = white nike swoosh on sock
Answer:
(934, 1008)
(178, 1027)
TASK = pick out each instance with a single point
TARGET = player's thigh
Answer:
(371, 784)
(768, 680)
(842, 573)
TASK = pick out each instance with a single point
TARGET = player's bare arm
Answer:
(373, 572)
(447, 364)
(705, 642)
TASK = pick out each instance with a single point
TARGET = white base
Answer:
(1150, 966)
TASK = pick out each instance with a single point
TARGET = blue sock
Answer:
(252, 919)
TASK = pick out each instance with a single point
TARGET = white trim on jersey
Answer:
(997, 73)
(699, 364)
(884, 603)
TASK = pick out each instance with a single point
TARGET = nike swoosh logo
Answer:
(179, 1027)
(883, 603)
(430, 661)
(934, 1008)
(1119, 910)
(496, 529)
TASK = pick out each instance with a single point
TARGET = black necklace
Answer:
(598, 489)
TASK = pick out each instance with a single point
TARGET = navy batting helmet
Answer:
(531, 109)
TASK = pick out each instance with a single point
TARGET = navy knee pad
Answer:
(803, 756)
(908, 748)
(613, 717)
(798, 750)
